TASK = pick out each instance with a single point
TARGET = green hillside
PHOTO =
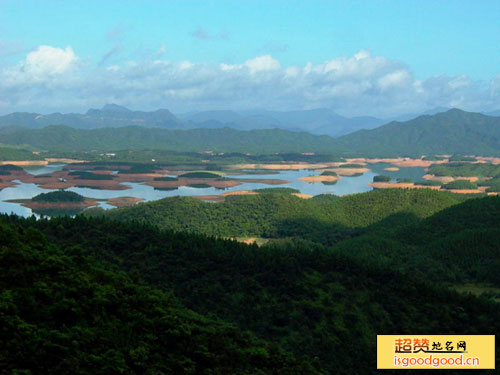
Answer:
(63, 138)
(318, 308)
(323, 218)
(409, 230)
(14, 153)
(456, 245)
(62, 312)
(451, 132)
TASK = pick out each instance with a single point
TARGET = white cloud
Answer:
(262, 64)
(46, 61)
(362, 54)
(54, 79)
(399, 78)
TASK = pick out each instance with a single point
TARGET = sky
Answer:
(381, 58)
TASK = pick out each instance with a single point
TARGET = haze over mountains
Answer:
(321, 121)
(451, 132)
(111, 115)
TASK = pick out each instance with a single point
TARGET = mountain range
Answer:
(321, 121)
(451, 132)
(111, 115)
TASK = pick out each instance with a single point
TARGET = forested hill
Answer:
(63, 312)
(63, 138)
(283, 215)
(451, 132)
(67, 304)
(437, 235)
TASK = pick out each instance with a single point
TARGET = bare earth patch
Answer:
(491, 160)
(393, 185)
(293, 166)
(65, 160)
(464, 191)
(63, 180)
(399, 162)
(270, 181)
(57, 205)
(303, 196)
(313, 179)
(7, 184)
(390, 185)
(25, 162)
(446, 179)
(241, 192)
(443, 179)
(124, 201)
(251, 240)
(471, 179)
(350, 171)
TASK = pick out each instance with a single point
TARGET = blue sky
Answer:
(430, 40)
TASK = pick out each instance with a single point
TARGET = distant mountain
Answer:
(451, 132)
(493, 113)
(411, 116)
(315, 121)
(320, 121)
(111, 115)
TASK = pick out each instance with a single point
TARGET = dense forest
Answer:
(75, 287)
(324, 218)
(58, 196)
(377, 224)
(63, 312)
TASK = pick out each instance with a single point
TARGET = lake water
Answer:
(347, 185)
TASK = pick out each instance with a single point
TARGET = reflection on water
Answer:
(21, 191)
(49, 168)
(347, 185)
(413, 173)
